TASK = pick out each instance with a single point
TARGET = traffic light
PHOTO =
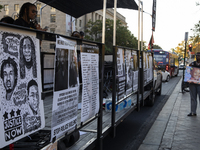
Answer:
(190, 47)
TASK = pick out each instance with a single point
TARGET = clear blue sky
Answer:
(173, 19)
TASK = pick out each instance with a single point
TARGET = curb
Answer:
(159, 134)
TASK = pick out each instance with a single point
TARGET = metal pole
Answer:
(104, 22)
(41, 14)
(139, 25)
(114, 24)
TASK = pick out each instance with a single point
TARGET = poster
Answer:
(66, 82)
(90, 80)
(121, 74)
(21, 107)
(192, 75)
(129, 72)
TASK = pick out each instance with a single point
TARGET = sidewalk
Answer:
(173, 129)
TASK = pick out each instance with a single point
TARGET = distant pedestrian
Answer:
(7, 19)
(82, 34)
(194, 88)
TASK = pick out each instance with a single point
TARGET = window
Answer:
(15, 17)
(53, 18)
(75, 22)
(38, 6)
(38, 18)
(52, 30)
(53, 9)
(79, 23)
(5, 7)
(52, 46)
(16, 7)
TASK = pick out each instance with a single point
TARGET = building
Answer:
(55, 20)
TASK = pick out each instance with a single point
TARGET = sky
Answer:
(173, 19)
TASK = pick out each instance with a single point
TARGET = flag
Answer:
(151, 42)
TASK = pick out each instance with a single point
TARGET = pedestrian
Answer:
(194, 88)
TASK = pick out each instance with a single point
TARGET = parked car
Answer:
(181, 66)
(165, 76)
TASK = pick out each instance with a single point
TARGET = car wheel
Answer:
(160, 89)
(151, 99)
(168, 77)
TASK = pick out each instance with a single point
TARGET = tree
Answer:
(1, 7)
(156, 47)
(123, 35)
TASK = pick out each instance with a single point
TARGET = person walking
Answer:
(194, 88)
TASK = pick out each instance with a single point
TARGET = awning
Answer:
(77, 8)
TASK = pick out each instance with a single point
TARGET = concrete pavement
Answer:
(173, 129)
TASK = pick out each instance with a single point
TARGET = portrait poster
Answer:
(129, 72)
(192, 75)
(90, 80)
(66, 83)
(121, 74)
(21, 107)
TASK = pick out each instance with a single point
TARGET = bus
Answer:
(167, 61)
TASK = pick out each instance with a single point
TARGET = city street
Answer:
(131, 132)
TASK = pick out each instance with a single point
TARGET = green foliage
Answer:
(123, 35)
(156, 47)
(1, 7)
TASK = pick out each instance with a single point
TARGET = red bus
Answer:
(167, 61)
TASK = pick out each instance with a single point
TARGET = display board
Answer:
(21, 107)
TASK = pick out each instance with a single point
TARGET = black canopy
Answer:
(77, 8)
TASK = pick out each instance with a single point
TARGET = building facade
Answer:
(55, 20)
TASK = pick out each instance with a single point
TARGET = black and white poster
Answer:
(121, 74)
(21, 107)
(129, 72)
(66, 82)
(90, 80)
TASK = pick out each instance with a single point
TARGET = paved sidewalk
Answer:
(173, 129)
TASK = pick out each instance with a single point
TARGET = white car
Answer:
(165, 76)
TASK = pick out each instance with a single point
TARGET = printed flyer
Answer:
(66, 82)
(90, 80)
(21, 107)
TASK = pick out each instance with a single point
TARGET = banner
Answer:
(154, 15)
(192, 75)
(90, 80)
(66, 83)
(21, 107)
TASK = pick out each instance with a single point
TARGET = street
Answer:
(131, 132)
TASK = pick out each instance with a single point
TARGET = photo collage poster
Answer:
(21, 107)
(192, 75)
(66, 83)
(129, 72)
(121, 74)
(90, 80)
(135, 72)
